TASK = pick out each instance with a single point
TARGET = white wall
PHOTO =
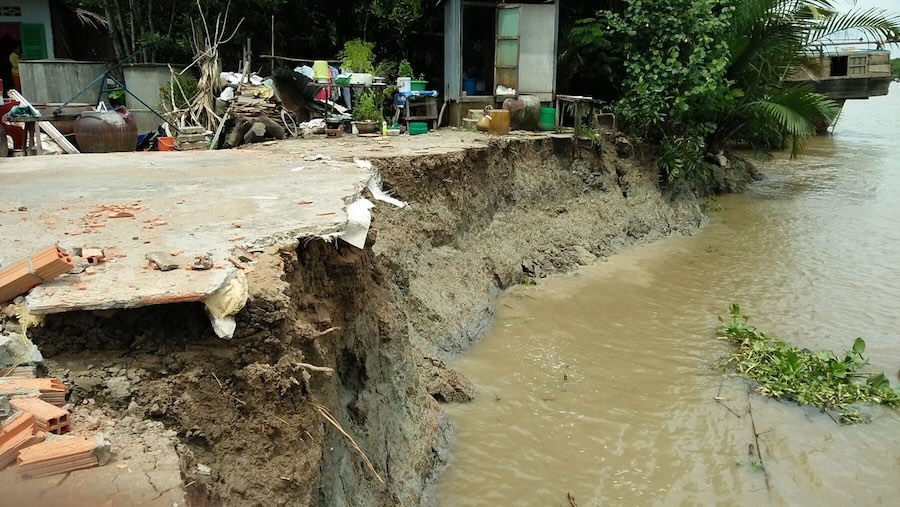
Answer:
(33, 11)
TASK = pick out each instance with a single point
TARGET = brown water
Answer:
(602, 384)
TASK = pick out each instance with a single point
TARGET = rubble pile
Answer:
(36, 431)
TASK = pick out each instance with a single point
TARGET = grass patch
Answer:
(821, 378)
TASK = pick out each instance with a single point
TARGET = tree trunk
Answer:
(114, 30)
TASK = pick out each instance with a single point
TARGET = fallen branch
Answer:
(756, 439)
(330, 418)
(312, 367)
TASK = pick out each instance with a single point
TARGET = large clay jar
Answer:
(525, 111)
(105, 132)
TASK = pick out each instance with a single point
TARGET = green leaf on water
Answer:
(820, 378)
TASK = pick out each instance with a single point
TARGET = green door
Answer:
(34, 41)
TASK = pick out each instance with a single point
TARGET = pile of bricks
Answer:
(27, 274)
(35, 436)
(57, 456)
(50, 390)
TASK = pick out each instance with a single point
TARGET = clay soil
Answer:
(384, 318)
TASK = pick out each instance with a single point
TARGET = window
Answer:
(507, 57)
(858, 65)
(10, 11)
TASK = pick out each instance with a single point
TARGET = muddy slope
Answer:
(251, 408)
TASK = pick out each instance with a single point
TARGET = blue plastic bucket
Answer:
(469, 87)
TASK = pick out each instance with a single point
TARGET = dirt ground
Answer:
(484, 214)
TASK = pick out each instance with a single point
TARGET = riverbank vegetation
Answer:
(821, 379)
(698, 75)
(691, 76)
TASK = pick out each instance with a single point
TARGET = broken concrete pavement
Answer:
(134, 204)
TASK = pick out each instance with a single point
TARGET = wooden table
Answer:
(578, 102)
(32, 134)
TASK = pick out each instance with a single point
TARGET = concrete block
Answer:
(16, 350)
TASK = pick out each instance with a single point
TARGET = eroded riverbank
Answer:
(384, 318)
(603, 384)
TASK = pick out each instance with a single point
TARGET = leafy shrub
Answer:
(358, 56)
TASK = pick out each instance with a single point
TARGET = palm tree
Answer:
(768, 42)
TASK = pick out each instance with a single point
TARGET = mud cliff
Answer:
(255, 409)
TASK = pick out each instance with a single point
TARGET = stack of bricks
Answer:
(35, 435)
(17, 433)
(191, 138)
(51, 390)
(57, 456)
(27, 274)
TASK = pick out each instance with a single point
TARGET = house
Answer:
(844, 73)
(492, 44)
(24, 24)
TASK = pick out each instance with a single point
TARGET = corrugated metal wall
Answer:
(452, 50)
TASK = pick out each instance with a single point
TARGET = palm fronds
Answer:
(792, 113)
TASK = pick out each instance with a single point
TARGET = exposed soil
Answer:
(384, 318)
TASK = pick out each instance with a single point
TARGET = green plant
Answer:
(673, 76)
(117, 98)
(366, 108)
(895, 68)
(821, 378)
(590, 134)
(405, 69)
(178, 92)
(768, 41)
(358, 56)
(696, 75)
(397, 14)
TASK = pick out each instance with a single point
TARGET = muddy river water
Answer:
(602, 384)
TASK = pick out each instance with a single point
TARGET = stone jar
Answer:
(105, 132)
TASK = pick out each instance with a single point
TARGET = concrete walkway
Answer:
(198, 202)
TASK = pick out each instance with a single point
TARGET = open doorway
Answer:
(10, 40)
(478, 43)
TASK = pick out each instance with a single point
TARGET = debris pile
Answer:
(34, 434)
(35, 428)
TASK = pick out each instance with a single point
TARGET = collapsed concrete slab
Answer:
(134, 204)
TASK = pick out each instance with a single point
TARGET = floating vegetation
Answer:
(821, 379)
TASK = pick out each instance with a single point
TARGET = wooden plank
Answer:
(47, 127)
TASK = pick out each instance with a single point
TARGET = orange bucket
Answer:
(165, 143)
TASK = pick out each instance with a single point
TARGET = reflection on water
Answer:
(603, 384)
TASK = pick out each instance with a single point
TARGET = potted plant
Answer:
(405, 69)
(358, 58)
(367, 116)
(406, 81)
(419, 85)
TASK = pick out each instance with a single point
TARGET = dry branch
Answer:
(330, 418)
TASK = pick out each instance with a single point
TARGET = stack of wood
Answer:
(191, 138)
(254, 100)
